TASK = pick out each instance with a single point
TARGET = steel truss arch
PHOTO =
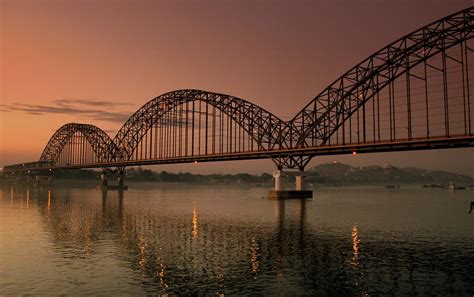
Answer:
(264, 127)
(101, 143)
(322, 117)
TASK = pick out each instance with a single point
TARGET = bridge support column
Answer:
(39, 179)
(105, 186)
(278, 181)
(120, 180)
(299, 181)
(104, 179)
(22, 178)
(281, 193)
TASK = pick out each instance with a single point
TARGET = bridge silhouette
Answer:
(412, 94)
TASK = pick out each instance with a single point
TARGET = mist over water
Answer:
(179, 238)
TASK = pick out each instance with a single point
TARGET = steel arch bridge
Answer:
(415, 93)
(78, 144)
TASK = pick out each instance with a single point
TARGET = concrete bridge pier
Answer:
(121, 179)
(23, 178)
(278, 181)
(39, 179)
(299, 181)
(104, 180)
(105, 186)
(281, 193)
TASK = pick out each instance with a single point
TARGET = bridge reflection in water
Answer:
(415, 93)
(196, 242)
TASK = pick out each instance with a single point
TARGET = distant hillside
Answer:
(339, 173)
(330, 173)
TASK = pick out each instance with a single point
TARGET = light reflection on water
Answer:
(355, 245)
(195, 223)
(185, 239)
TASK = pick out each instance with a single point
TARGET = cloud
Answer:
(78, 107)
(90, 102)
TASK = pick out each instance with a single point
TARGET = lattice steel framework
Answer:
(196, 123)
(74, 144)
(342, 106)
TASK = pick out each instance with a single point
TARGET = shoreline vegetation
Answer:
(334, 174)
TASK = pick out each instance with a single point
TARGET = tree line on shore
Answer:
(333, 173)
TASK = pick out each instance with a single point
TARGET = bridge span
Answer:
(413, 94)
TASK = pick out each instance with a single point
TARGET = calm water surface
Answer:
(215, 239)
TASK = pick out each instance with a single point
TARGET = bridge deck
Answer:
(399, 145)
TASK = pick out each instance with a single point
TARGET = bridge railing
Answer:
(26, 166)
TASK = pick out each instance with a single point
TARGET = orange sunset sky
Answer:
(97, 61)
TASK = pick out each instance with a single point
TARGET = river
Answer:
(176, 238)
